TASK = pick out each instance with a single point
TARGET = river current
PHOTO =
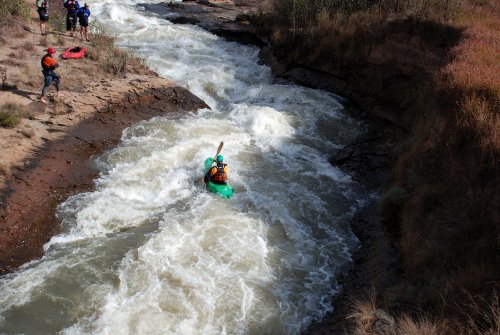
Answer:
(149, 251)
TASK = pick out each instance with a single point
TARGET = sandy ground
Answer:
(44, 159)
(86, 88)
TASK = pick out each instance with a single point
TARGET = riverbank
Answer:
(432, 71)
(45, 156)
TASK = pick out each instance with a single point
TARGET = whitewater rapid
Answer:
(149, 251)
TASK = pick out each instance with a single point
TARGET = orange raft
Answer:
(74, 53)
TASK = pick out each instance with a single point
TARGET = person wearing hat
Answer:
(49, 64)
(83, 18)
(73, 7)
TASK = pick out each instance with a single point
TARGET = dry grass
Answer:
(302, 15)
(424, 326)
(449, 228)
(10, 9)
(28, 47)
(447, 219)
(28, 79)
(111, 59)
(368, 319)
(480, 317)
(483, 317)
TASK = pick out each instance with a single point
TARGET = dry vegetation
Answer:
(12, 11)
(102, 47)
(443, 209)
(16, 70)
(482, 318)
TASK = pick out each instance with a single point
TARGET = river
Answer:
(149, 251)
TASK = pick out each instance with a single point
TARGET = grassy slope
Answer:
(19, 25)
(439, 71)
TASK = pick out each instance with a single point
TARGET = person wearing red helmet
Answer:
(49, 64)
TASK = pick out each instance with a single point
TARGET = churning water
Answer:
(151, 252)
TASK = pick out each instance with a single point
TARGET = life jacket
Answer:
(48, 63)
(218, 173)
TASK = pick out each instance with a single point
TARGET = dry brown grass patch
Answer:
(368, 319)
(423, 326)
(28, 47)
(483, 316)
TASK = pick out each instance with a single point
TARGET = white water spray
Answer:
(151, 252)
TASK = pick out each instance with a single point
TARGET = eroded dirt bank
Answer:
(61, 167)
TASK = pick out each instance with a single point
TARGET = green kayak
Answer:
(225, 190)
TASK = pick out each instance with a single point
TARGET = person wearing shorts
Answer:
(42, 7)
(83, 19)
(71, 17)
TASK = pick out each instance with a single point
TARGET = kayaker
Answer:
(49, 64)
(217, 174)
(83, 19)
(42, 7)
(73, 7)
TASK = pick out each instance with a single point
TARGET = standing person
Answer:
(42, 7)
(49, 64)
(83, 17)
(73, 7)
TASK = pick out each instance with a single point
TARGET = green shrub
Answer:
(10, 114)
(8, 120)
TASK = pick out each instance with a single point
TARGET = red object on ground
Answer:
(74, 53)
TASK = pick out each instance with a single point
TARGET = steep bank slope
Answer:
(439, 81)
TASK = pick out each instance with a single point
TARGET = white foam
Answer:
(180, 260)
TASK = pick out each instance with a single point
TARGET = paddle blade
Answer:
(219, 148)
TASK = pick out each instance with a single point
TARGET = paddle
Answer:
(218, 150)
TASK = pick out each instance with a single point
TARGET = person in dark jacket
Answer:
(49, 64)
(83, 19)
(42, 7)
(73, 7)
